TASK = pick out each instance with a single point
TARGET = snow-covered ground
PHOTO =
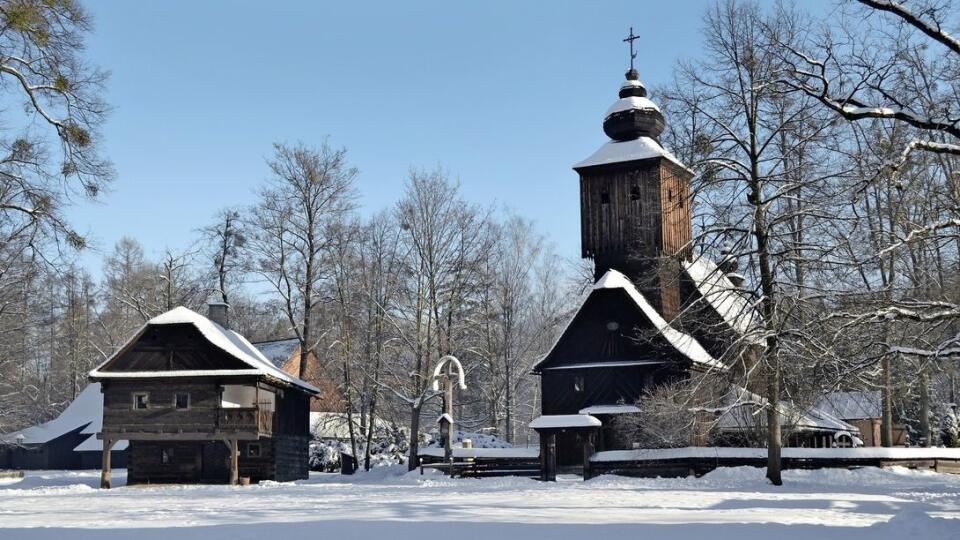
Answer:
(731, 503)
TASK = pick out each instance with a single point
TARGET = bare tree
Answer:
(225, 241)
(309, 192)
(757, 147)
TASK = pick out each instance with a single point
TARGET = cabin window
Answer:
(166, 456)
(613, 326)
(181, 401)
(604, 198)
(634, 192)
(141, 400)
(253, 450)
(578, 383)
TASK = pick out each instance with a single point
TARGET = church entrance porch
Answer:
(566, 441)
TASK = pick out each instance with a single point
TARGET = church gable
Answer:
(607, 328)
(617, 324)
(175, 347)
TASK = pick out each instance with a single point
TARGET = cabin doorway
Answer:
(214, 463)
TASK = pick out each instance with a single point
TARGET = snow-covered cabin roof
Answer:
(624, 151)
(228, 341)
(557, 421)
(86, 409)
(278, 351)
(743, 410)
(725, 298)
(851, 405)
(683, 343)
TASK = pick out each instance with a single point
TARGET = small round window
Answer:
(613, 326)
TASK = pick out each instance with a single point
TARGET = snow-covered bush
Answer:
(325, 455)
(390, 448)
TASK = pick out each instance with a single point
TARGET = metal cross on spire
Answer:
(630, 39)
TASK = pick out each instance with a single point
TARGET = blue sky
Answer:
(504, 95)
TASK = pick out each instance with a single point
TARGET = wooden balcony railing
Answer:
(246, 419)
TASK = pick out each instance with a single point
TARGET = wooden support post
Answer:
(234, 462)
(548, 456)
(587, 453)
(105, 471)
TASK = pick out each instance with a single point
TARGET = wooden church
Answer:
(657, 313)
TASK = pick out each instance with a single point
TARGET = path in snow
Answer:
(726, 504)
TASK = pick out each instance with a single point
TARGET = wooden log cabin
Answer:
(199, 404)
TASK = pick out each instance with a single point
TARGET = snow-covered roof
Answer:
(228, 341)
(278, 351)
(631, 102)
(610, 409)
(445, 417)
(632, 150)
(631, 83)
(93, 444)
(725, 298)
(624, 363)
(851, 405)
(551, 421)
(684, 343)
(85, 410)
(744, 410)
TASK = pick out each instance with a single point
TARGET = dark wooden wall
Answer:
(676, 207)
(172, 347)
(119, 414)
(588, 339)
(628, 224)
(601, 386)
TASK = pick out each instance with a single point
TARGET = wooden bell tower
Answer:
(635, 212)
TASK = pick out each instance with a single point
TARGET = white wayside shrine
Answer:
(447, 371)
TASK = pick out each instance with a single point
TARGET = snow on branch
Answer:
(934, 30)
(920, 233)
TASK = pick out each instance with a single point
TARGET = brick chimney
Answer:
(219, 312)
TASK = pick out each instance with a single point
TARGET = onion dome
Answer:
(633, 115)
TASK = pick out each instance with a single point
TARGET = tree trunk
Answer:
(886, 420)
(414, 459)
(924, 409)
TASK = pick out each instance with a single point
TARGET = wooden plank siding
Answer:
(633, 213)
(628, 221)
(676, 207)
